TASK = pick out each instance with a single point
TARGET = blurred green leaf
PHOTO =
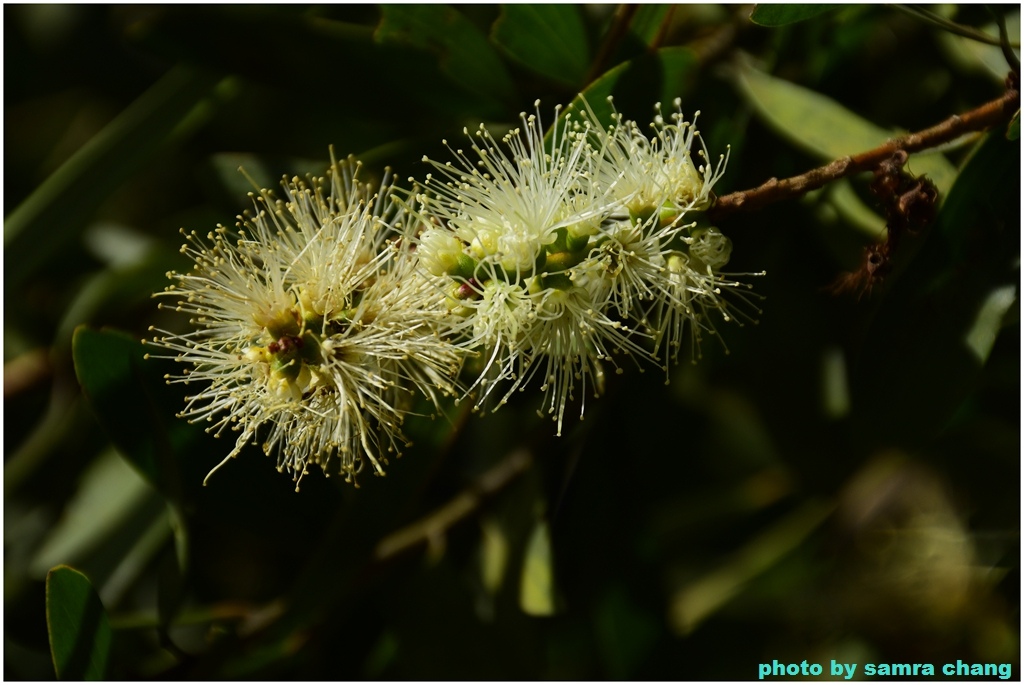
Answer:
(548, 39)
(64, 419)
(493, 555)
(982, 335)
(628, 634)
(835, 388)
(647, 27)
(1013, 130)
(780, 15)
(133, 403)
(382, 655)
(696, 601)
(824, 128)
(228, 167)
(110, 491)
(852, 209)
(537, 582)
(78, 626)
(61, 206)
(464, 52)
(649, 21)
(113, 291)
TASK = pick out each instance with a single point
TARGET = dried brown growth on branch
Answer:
(910, 205)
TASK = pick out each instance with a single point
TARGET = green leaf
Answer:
(626, 632)
(493, 555)
(696, 601)
(537, 582)
(660, 76)
(62, 205)
(824, 128)
(110, 293)
(78, 626)
(133, 403)
(648, 22)
(647, 26)
(780, 15)
(852, 209)
(463, 50)
(1013, 130)
(110, 493)
(982, 334)
(548, 39)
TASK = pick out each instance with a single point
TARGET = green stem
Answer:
(951, 26)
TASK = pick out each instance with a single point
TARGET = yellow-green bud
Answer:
(441, 253)
(710, 247)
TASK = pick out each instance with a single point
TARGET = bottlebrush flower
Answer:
(510, 228)
(314, 327)
(663, 265)
(659, 173)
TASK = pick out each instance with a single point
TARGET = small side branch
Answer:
(432, 528)
(775, 190)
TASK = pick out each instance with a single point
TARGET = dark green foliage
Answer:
(782, 14)
(843, 484)
(78, 624)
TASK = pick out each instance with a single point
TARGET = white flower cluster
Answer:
(321, 317)
(314, 324)
(557, 253)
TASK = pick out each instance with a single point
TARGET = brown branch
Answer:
(620, 27)
(774, 190)
(666, 22)
(432, 528)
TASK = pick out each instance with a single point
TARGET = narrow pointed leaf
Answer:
(648, 22)
(493, 555)
(647, 26)
(537, 583)
(698, 600)
(110, 494)
(78, 626)
(62, 205)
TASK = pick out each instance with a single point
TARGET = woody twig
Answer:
(775, 190)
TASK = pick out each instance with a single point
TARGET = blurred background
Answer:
(840, 480)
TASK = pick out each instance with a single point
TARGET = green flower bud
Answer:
(710, 247)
